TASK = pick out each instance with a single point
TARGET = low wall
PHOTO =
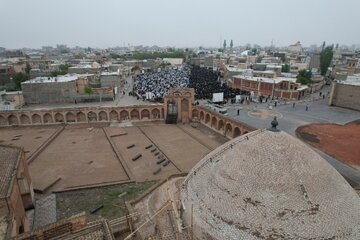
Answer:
(80, 115)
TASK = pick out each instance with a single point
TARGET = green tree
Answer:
(88, 89)
(28, 68)
(115, 55)
(326, 56)
(63, 69)
(18, 78)
(135, 68)
(304, 77)
(285, 68)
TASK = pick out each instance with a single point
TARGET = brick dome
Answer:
(269, 185)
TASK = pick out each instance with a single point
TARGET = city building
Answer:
(278, 87)
(61, 89)
(346, 93)
(16, 192)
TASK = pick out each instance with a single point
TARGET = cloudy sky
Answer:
(181, 23)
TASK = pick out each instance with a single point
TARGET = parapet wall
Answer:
(80, 115)
(220, 123)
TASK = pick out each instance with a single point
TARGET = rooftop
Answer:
(270, 185)
(352, 80)
(63, 78)
(9, 158)
(275, 80)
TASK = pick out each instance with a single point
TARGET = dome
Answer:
(269, 185)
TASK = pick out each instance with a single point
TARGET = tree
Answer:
(18, 78)
(325, 59)
(285, 68)
(88, 89)
(63, 69)
(304, 77)
(28, 68)
(135, 68)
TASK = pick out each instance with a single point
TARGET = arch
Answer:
(70, 117)
(47, 118)
(24, 119)
(103, 116)
(80, 117)
(13, 120)
(162, 113)
(155, 113)
(59, 117)
(246, 132)
(228, 130)
(124, 115)
(184, 105)
(145, 114)
(35, 118)
(92, 116)
(3, 121)
(213, 122)
(134, 114)
(220, 125)
(114, 116)
(195, 113)
(201, 116)
(237, 132)
(207, 118)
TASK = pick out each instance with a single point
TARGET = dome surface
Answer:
(269, 185)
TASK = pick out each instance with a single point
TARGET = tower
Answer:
(224, 45)
(231, 45)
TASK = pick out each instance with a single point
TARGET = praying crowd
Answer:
(204, 81)
(159, 83)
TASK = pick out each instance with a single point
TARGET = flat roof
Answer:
(351, 80)
(265, 79)
(109, 74)
(63, 78)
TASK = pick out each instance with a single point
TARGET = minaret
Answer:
(231, 45)
(224, 45)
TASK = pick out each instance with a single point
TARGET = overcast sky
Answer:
(180, 23)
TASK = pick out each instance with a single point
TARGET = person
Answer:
(275, 104)
(238, 112)
(307, 107)
(293, 104)
(323, 96)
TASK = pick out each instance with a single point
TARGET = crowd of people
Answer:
(159, 83)
(204, 81)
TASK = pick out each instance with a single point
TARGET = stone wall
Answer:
(345, 95)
